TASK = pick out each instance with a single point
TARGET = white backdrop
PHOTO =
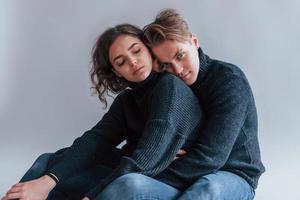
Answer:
(45, 97)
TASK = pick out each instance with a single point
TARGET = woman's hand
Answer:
(179, 154)
(37, 189)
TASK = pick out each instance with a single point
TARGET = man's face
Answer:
(179, 58)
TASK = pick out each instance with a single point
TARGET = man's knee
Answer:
(133, 181)
(127, 185)
(211, 188)
(204, 189)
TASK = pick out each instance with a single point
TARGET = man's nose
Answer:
(177, 69)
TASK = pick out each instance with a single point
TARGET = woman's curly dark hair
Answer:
(102, 76)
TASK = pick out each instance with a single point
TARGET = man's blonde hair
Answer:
(168, 25)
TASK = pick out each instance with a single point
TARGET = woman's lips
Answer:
(136, 71)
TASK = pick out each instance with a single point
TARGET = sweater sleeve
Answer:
(225, 116)
(174, 117)
(102, 138)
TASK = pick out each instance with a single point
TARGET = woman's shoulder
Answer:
(123, 95)
(168, 80)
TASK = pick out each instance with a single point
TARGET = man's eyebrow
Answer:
(130, 47)
(177, 52)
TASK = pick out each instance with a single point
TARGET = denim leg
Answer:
(79, 184)
(38, 168)
(221, 185)
(75, 186)
(135, 186)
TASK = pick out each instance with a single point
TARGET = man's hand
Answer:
(37, 189)
(179, 154)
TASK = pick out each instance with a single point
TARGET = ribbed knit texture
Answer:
(157, 117)
(228, 137)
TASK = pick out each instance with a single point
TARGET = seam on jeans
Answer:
(147, 197)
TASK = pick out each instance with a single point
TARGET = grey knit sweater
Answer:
(157, 118)
(228, 137)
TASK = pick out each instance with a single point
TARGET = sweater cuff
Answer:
(52, 176)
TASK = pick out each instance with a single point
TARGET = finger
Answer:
(181, 152)
(17, 185)
(14, 189)
(13, 195)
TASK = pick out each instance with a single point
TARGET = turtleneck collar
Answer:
(203, 67)
(145, 83)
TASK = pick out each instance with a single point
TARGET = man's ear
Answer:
(117, 73)
(195, 41)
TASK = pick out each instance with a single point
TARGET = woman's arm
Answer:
(173, 119)
(102, 138)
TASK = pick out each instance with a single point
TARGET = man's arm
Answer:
(225, 116)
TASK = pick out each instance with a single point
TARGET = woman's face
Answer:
(130, 58)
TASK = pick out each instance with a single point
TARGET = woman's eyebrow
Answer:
(131, 46)
(117, 58)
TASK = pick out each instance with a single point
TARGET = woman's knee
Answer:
(41, 162)
(38, 168)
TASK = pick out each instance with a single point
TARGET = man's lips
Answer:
(185, 75)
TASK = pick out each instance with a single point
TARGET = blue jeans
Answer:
(221, 185)
(137, 187)
(76, 186)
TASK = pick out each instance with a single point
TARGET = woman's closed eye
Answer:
(120, 62)
(137, 51)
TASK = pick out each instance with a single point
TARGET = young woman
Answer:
(157, 114)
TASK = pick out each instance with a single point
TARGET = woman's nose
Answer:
(133, 62)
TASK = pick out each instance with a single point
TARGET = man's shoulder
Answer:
(225, 69)
(222, 75)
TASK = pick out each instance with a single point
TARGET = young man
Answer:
(228, 140)
(225, 162)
